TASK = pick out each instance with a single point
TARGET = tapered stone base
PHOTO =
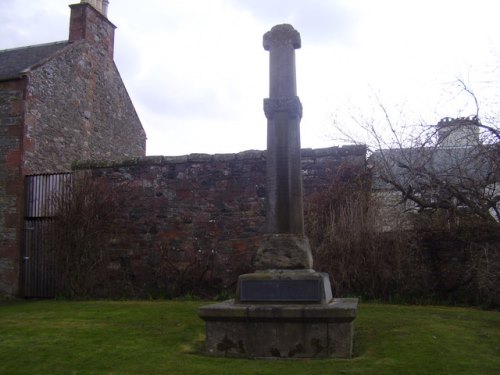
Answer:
(284, 251)
(280, 331)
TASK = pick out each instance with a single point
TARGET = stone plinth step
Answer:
(280, 330)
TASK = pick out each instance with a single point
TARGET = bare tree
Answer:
(453, 166)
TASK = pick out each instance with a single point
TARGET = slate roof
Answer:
(15, 60)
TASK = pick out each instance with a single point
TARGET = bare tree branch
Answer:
(452, 166)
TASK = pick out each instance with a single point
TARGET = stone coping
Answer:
(339, 309)
(359, 150)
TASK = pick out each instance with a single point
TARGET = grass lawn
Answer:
(166, 337)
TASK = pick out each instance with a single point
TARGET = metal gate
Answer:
(43, 194)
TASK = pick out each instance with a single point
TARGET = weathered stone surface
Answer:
(283, 111)
(91, 118)
(250, 154)
(200, 157)
(284, 251)
(62, 134)
(340, 339)
(215, 206)
(281, 41)
(176, 159)
(88, 23)
(224, 157)
(11, 183)
(68, 107)
(309, 340)
(280, 331)
(292, 106)
(220, 336)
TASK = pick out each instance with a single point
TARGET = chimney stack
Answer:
(89, 22)
(458, 132)
(100, 5)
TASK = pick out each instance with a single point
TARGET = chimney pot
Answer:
(100, 5)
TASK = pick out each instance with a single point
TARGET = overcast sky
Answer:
(197, 72)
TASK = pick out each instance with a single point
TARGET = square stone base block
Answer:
(280, 331)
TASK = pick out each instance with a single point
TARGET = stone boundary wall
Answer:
(11, 182)
(206, 210)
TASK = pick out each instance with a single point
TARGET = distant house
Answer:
(454, 173)
(59, 102)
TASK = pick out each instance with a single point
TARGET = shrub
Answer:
(434, 260)
(361, 260)
(79, 247)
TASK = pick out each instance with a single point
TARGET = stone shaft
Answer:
(281, 43)
(283, 111)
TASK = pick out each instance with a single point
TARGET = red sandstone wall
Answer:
(77, 108)
(87, 23)
(210, 205)
(11, 182)
(71, 107)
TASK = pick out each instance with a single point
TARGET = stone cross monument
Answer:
(285, 247)
(283, 111)
(284, 309)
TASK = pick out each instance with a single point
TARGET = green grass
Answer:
(166, 337)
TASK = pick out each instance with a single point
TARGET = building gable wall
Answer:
(78, 108)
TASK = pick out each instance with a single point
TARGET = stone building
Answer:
(59, 102)
(457, 171)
